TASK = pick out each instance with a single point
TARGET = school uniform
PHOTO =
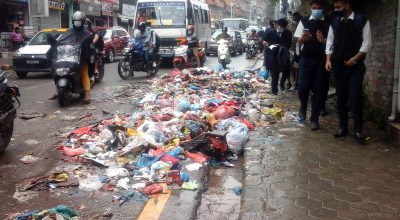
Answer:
(283, 39)
(312, 62)
(347, 37)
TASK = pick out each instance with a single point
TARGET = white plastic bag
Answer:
(91, 183)
(237, 138)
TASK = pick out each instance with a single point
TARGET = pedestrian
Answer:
(348, 42)
(295, 52)
(17, 39)
(311, 33)
(276, 56)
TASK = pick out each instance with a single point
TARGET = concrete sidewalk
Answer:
(292, 172)
(6, 61)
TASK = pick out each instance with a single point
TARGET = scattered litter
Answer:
(193, 166)
(237, 190)
(191, 185)
(91, 183)
(31, 115)
(28, 159)
(31, 142)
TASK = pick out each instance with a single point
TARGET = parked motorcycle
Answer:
(9, 104)
(252, 49)
(224, 56)
(134, 60)
(183, 60)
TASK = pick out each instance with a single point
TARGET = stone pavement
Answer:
(292, 172)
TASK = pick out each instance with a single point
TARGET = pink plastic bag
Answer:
(224, 112)
(68, 151)
(197, 157)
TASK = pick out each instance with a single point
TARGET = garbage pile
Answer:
(60, 212)
(190, 118)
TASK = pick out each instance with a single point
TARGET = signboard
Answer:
(106, 8)
(38, 8)
(128, 11)
(90, 9)
(57, 4)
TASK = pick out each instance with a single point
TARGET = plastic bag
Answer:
(175, 72)
(154, 137)
(237, 138)
(197, 157)
(167, 158)
(91, 183)
(195, 107)
(175, 152)
(219, 143)
(117, 172)
(263, 74)
(184, 106)
(253, 114)
(68, 151)
(149, 98)
(146, 160)
(153, 189)
(224, 112)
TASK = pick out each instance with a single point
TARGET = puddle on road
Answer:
(219, 201)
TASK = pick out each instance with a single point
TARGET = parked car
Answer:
(35, 56)
(235, 43)
(115, 39)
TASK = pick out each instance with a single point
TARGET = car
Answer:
(235, 43)
(35, 56)
(115, 39)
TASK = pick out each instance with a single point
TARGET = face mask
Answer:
(340, 13)
(317, 13)
(190, 32)
(78, 23)
(280, 30)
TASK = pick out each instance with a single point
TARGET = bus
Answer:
(235, 23)
(170, 19)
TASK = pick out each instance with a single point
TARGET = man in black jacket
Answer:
(348, 42)
(277, 40)
(311, 33)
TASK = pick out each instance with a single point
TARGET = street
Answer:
(38, 137)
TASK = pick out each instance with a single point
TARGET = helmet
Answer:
(142, 26)
(88, 24)
(253, 31)
(78, 20)
(225, 29)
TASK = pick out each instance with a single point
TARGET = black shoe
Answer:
(360, 138)
(302, 116)
(282, 88)
(341, 133)
(324, 112)
(315, 126)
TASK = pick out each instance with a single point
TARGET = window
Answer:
(207, 19)
(196, 14)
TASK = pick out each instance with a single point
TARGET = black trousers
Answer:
(349, 84)
(325, 89)
(275, 79)
(311, 79)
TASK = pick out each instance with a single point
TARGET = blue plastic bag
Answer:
(264, 74)
(146, 160)
(184, 106)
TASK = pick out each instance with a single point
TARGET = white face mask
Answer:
(77, 23)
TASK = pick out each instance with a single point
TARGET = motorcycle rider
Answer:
(148, 43)
(98, 43)
(224, 35)
(253, 35)
(193, 43)
(78, 35)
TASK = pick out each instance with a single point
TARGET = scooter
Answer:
(224, 56)
(9, 104)
(183, 60)
(134, 60)
(252, 49)
(66, 73)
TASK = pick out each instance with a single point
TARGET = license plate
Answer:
(32, 61)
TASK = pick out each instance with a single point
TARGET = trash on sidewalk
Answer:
(60, 212)
(31, 115)
(28, 159)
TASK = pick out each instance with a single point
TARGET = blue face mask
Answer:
(317, 13)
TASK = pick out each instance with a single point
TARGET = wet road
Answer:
(39, 137)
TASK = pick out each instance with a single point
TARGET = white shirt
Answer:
(367, 38)
(300, 27)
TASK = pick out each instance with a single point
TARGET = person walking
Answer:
(278, 42)
(348, 42)
(311, 33)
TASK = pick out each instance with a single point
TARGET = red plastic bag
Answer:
(224, 112)
(153, 189)
(219, 143)
(68, 151)
(174, 73)
(197, 157)
(163, 117)
(156, 152)
(167, 158)
(81, 131)
(246, 122)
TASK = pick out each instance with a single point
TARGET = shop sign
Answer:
(57, 4)
(106, 8)
(90, 9)
(128, 11)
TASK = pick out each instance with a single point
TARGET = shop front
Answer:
(57, 10)
(93, 12)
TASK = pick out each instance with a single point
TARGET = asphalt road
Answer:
(39, 137)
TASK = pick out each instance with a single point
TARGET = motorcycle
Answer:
(224, 56)
(252, 49)
(260, 45)
(98, 77)
(9, 104)
(134, 60)
(183, 60)
(66, 73)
